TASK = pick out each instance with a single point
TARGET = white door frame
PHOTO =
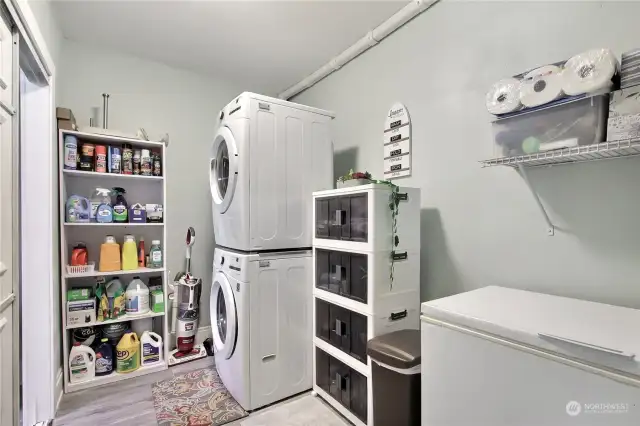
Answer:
(40, 394)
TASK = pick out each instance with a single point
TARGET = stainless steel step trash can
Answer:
(396, 378)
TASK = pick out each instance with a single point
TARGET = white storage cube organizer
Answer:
(354, 300)
(359, 218)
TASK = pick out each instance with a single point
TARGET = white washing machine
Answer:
(268, 156)
(261, 322)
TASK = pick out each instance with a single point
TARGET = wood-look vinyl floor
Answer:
(129, 403)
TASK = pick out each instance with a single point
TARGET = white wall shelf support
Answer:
(550, 228)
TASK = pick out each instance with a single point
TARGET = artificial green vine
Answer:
(394, 202)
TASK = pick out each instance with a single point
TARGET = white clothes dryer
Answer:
(268, 156)
(262, 325)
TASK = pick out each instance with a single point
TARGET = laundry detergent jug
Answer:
(82, 365)
(151, 344)
(128, 353)
(104, 358)
(137, 297)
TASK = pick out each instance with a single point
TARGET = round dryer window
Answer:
(221, 320)
(224, 316)
(223, 169)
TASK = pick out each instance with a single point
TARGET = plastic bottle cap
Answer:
(109, 239)
(136, 278)
(155, 242)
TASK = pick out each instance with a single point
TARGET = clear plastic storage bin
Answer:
(564, 125)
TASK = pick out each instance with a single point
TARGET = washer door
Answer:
(223, 169)
(224, 316)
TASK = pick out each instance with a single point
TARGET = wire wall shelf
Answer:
(578, 154)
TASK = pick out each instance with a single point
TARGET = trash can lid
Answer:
(400, 349)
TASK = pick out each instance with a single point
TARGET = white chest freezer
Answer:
(504, 357)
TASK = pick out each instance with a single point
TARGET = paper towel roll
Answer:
(541, 86)
(588, 71)
(504, 96)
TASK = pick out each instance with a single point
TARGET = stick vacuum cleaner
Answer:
(186, 310)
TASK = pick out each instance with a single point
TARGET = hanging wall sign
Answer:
(397, 142)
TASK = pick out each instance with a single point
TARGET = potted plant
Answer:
(354, 179)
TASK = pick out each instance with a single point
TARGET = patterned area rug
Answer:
(197, 398)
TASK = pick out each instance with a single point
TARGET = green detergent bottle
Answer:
(120, 206)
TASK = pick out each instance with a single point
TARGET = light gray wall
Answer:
(482, 226)
(160, 99)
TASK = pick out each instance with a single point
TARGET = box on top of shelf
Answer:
(578, 122)
(624, 114)
(359, 218)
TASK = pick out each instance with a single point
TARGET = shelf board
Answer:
(116, 377)
(95, 224)
(112, 139)
(114, 273)
(96, 175)
(578, 154)
(345, 302)
(123, 318)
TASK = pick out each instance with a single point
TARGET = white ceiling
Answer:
(264, 46)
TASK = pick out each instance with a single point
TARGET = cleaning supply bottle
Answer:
(120, 205)
(129, 253)
(128, 353)
(82, 365)
(110, 255)
(141, 255)
(155, 255)
(151, 345)
(79, 255)
(116, 298)
(99, 196)
(104, 358)
(137, 297)
(78, 209)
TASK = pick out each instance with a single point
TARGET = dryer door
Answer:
(223, 169)
(224, 316)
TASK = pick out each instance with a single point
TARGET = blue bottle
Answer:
(104, 358)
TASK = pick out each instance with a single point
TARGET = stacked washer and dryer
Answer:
(268, 157)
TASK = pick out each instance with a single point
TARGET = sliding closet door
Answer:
(9, 374)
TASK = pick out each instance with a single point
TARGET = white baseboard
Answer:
(58, 390)
(202, 334)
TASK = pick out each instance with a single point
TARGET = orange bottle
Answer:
(110, 255)
(141, 256)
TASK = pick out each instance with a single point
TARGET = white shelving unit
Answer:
(139, 189)
(579, 154)
(353, 300)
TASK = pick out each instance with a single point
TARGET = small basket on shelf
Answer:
(81, 269)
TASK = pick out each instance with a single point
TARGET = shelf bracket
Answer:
(550, 229)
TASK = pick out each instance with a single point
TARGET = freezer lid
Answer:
(601, 335)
